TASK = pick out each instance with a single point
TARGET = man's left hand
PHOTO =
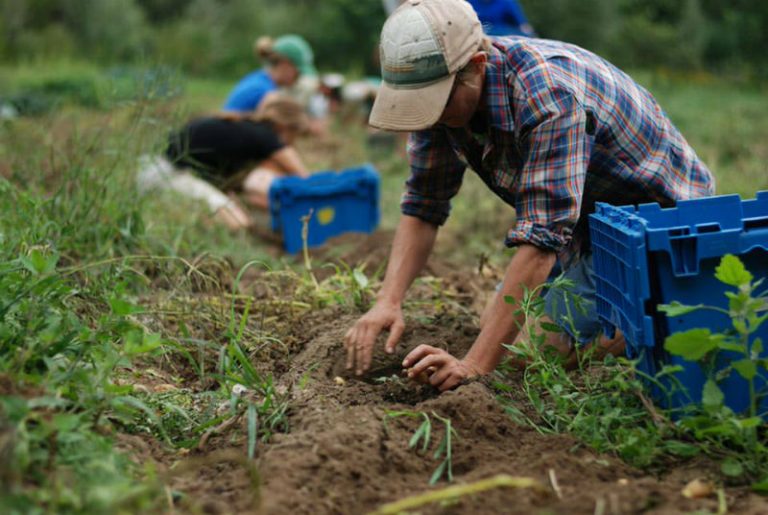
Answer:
(448, 372)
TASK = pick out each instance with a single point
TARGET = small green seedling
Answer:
(423, 436)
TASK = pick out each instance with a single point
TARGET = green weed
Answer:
(605, 407)
(736, 436)
(59, 401)
(423, 436)
(608, 409)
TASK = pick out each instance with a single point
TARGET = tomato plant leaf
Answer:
(731, 271)
(691, 345)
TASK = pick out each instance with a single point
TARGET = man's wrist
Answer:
(389, 300)
(476, 367)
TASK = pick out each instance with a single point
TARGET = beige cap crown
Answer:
(423, 44)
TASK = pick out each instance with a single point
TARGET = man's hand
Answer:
(448, 373)
(361, 338)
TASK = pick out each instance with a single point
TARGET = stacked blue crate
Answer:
(648, 255)
(334, 202)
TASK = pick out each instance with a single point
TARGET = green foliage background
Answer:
(215, 36)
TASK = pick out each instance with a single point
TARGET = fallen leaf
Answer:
(140, 388)
(163, 388)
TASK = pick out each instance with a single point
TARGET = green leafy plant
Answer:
(423, 436)
(346, 286)
(607, 406)
(63, 399)
(266, 409)
(604, 407)
(715, 422)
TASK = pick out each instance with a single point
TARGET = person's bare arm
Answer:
(529, 267)
(411, 247)
(289, 161)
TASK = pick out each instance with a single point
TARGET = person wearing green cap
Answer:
(287, 58)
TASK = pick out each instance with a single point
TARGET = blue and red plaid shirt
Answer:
(559, 129)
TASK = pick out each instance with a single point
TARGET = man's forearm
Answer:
(411, 247)
(530, 267)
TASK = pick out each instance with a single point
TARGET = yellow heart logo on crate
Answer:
(326, 215)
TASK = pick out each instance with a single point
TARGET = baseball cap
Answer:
(297, 50)
(423, 44)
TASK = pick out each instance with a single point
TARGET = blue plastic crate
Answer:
(648, 255)
(339, 202)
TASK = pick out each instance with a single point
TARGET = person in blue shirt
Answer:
(287, 58)
(499, 17)
(502, 18)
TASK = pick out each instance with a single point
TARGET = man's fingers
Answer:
(418, 353)
(395, 332)
(365, 343)
(359, 345)
(349, 342)
(432, 360)
(439, 376)
(450, 382)
(366, 354)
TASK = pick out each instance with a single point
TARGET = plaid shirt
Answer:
(563, 129)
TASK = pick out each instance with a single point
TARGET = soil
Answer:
(346, 453)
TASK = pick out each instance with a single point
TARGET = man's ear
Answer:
(479, 59)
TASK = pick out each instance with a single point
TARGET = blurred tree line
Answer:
(216, 36)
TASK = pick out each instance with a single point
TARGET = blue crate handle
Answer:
(327, 188)
(699, 229)
(618, 240)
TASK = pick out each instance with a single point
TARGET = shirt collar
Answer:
(496, 92)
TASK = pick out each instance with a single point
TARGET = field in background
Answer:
(726, 123)
(134, 319)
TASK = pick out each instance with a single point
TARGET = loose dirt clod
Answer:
(420, 378)
(698, 488)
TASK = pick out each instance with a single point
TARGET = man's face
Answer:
(464, 99)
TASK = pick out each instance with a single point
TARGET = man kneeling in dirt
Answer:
(551, 129)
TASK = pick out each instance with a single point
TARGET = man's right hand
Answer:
(361, 337)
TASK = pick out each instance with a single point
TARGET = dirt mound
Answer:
(345, 460)
(347, 450)
(345, 455)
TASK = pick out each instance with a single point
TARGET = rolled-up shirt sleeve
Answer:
(436, 176)
(555, 150)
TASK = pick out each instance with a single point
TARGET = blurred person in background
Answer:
(502, 18)
(499, 17)
(212, 157)
(288, 58)
(391, 5)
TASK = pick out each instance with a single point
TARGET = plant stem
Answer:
(458, 491)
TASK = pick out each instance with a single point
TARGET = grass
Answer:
(608, 408)
(725, 123)
(101, 288)
(453, 493)
(422, 439)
